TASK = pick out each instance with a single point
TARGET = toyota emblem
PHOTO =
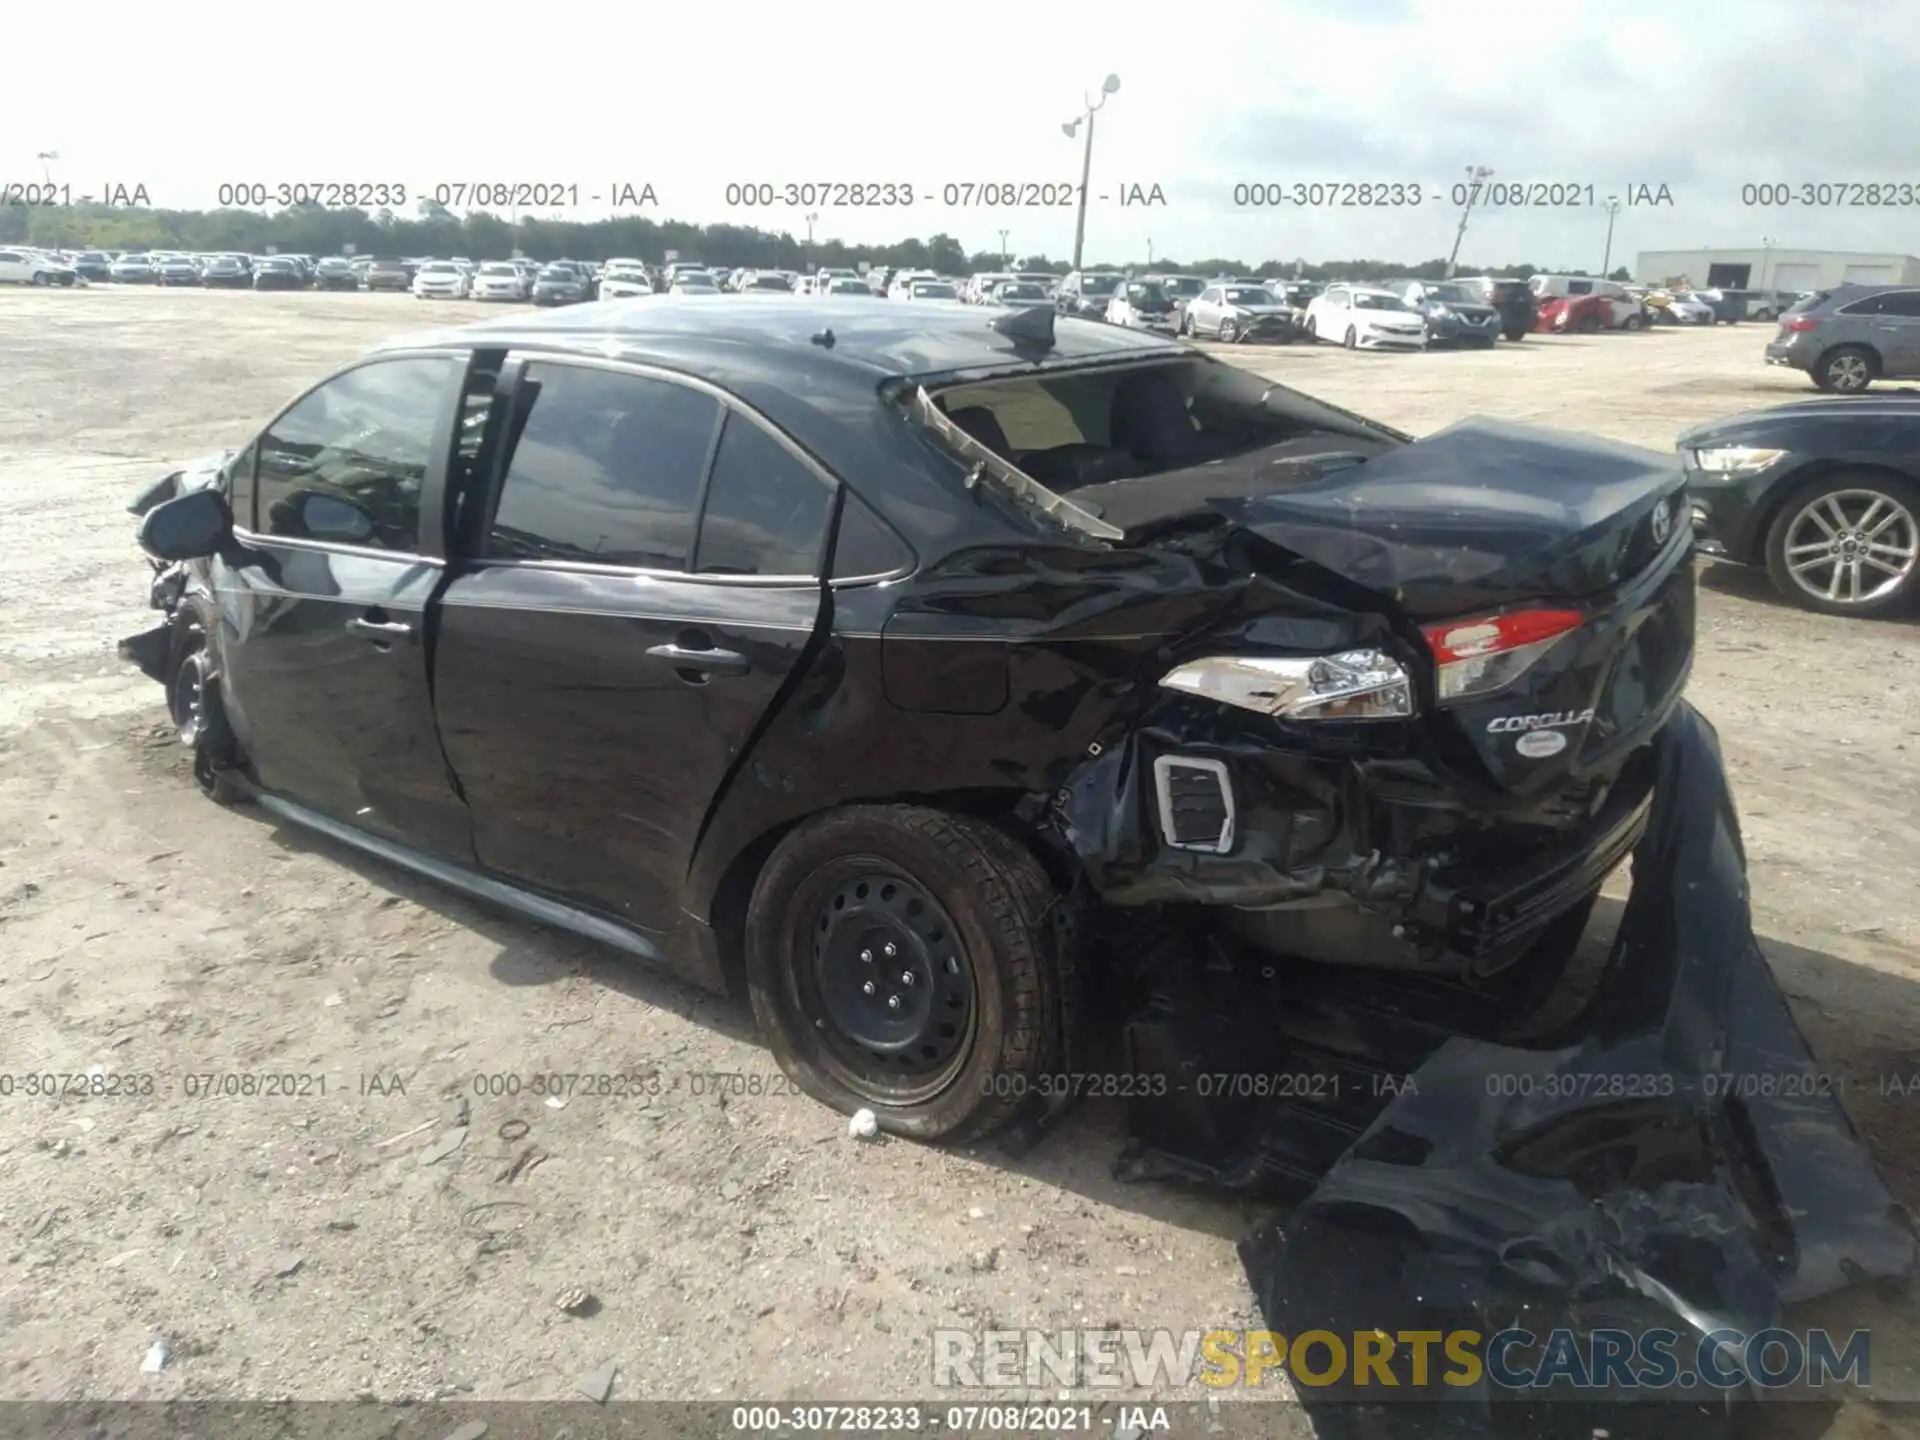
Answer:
(1662, 522)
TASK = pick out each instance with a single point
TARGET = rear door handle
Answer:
(712, 662)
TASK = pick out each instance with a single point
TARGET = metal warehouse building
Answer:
(1776, 269)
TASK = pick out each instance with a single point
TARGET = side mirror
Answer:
(189, 527)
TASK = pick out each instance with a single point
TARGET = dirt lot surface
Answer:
(736, 1245)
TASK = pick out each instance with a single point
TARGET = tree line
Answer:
(477, 235)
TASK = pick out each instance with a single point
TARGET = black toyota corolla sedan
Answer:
(1824, 494)
(842, 654)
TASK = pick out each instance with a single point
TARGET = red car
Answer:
(1560, 314)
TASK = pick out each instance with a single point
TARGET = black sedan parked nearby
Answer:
(561, 284)
(1824, 493)
(336, 273)
(226, 272)
(279, 273)
(840, 651)
(93, 265)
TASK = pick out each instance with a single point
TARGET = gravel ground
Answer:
(144, 930)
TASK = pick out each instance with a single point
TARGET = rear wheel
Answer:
(1633, 322)
(1846, 370)
(41, 277)
(1229, 332)
(1848, 544)
(898, 960)
(1353, 338)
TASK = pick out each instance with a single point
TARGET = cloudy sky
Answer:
(1702, 98)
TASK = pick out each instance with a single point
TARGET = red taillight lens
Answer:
(1484, 655)
(1799, 324)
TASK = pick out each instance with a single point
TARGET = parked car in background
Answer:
(1619, 310)
(93, 265)
(335, 272)
(1848, 337)
(1689, 309)
(1762, 305)
(131, 270)
(1086, 292)
(560, 284)
(693, 282)
(278, 272)
(625, 280)
(20, 266)
(1179, 289)
(979, 288)
(389, 275)
(1233, 313)
(498, 280)
(1454, 314)
(1024, 294)
(1574, 314)
(1143, 305)
(1362, 317)
(855, 286)
(226, 272)
(441, 280)
(1825, 494)
(177, 270)
(778, 282)
(926, 290)
(1175, 638)
(1514, 299)
(1729, 306)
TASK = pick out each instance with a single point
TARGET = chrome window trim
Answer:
(331, 547)
(1162, 779)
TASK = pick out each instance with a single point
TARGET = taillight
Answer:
(1481, 656)
(1798, 324)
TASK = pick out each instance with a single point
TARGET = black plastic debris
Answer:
(1677, 1165)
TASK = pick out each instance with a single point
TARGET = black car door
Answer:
(632, 596)
(323, 603)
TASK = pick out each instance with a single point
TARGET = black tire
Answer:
(1515, 335)
(200, 721)
(1352, 342)
(1633, 322)
(41, 277)
(1588, 325)
(958, 871)
(1313, 329)
(1780, 533)
(1846, 370)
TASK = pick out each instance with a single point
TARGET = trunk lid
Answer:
(1567, 550)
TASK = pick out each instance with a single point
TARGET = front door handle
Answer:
(388, 630)
(707, 661)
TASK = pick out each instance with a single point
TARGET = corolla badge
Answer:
(1662, 523)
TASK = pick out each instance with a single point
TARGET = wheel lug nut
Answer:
(889, 950)
(867, 989)
(866, 957)
(906, 977)
(893, 1002)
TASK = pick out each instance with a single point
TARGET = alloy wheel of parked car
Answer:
(1353, 338)
(1848, 546)
(897, 959)
(1846, 371)
(200, 722)
(1229, 332)
(1632, 322)
(41, 277)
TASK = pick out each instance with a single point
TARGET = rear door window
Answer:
(1904, 303)
(605, 470)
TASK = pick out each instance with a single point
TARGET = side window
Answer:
(766, 513)
(1904, 303)
(606, 469)
(1210, 295)
(1872, 305)
(240, 486)
(1579, 287)
(347, 462)
(866, 545)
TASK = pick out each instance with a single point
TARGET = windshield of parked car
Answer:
(1183, 287)
(562, 273)
(1374, 300)
(1142, 292)
(506, 270)
(1450, 294)
(1093, 285)
(927, 290)
(1021, 292)
(1247, 295)
(439, 267)
(772, 282)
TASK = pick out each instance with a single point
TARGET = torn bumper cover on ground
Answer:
(1680, 1164)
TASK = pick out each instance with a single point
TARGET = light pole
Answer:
(810, 219)
(1149, 252)
(1475, 174)
(1108, 87)
(1005, 258)
(1767, 242)
(1613, 209)
(46, 173)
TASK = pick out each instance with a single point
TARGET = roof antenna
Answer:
(1028, 328)
(824, 339)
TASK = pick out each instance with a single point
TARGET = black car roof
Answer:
(770, 332)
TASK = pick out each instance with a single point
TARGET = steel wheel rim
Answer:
(897, 1028)
(1847, 372)
(189, 700)
(1852, 547)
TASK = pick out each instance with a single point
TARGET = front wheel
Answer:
(1313, 329)
(898, 959)
(1633, 322)
(41, 277)
(1353, 338)
(1515, 335)
(1229, 332)
(200, 722)
(1848, 544)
